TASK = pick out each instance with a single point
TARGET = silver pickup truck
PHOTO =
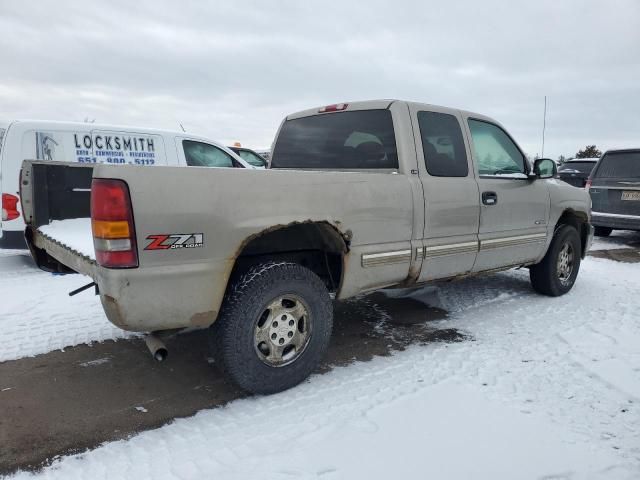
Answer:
(358, 197)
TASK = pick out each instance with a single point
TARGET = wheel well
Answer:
(318, 246)
(579, 221)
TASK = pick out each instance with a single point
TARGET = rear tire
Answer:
(274, 327)
(558, 270)
(602, 231)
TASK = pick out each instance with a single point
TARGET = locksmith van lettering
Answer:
(92, 143)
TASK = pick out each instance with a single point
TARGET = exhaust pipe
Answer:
(156, 346)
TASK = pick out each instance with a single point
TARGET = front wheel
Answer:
(274, 327)
(558, 270)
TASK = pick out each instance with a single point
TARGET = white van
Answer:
(93, 143)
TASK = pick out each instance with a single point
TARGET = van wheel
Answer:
(274, 327)
(602, 231)
(558, 270)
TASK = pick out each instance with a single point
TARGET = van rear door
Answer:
(128, 148)
(615, 184)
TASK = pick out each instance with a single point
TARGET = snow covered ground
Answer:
(548, 388)
(37, 315)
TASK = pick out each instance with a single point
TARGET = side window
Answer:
(252, 158)
(198, 154)
(495, 152)
(443, 145)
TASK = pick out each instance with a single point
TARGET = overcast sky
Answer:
(233, 70)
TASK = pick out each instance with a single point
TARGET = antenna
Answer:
(544, 124)
(182, 127)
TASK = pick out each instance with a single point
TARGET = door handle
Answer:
(489, 198)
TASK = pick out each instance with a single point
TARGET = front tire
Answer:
(274, 327)
(558, 270)
(602, 231)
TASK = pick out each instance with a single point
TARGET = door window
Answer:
(494, 151)
(252, 158)
(442, 145)
(198, 154)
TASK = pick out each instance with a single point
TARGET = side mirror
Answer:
(545, 168)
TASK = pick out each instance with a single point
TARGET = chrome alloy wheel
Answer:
(564, 267)
(282, 331)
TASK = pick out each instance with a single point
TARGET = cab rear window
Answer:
(362, 139)
(619, 165)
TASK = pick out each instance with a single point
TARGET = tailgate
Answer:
(56, 201)
(620, 197)
(53, 255)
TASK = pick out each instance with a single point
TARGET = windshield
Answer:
(582, 167)
(619, 165)
(347, 140)
(251, 158)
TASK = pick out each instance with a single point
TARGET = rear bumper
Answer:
(615, 221)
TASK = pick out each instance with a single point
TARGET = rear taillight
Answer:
(334, 108)
(112, 224)
(9, 207)
(587, 185)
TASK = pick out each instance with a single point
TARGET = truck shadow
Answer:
(378, 324)
(67, 402)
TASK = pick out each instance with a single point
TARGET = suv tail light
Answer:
(112, 224)
(9, 207)
(587, 185)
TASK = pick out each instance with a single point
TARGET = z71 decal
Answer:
(175, 240)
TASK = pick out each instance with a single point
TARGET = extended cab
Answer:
(359, 196)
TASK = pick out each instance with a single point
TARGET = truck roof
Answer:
(622, 150)
(378, 104)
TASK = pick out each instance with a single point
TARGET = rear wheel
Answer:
(602, 231)
(558, 270)
(274, 327)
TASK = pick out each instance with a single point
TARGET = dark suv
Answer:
(614, 186)
(576, 171)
